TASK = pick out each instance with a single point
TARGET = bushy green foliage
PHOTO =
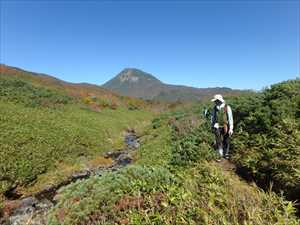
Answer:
(18, 91)
(37, 136)
(202, 194)
(179, 138)
(219, 198)
(191, 140)
(267, 139)
(105, 194)
(156, 123)
(183, 136)
(164, 193)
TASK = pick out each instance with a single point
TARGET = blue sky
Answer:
(238, 44)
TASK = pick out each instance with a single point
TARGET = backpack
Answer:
(222, 118)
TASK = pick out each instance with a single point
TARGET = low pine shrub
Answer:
(267, 138)
(191, 142)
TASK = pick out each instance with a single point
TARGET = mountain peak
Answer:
(133, 75)
(130, 75)
(137, 83)
(134, 80)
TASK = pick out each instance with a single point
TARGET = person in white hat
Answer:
(222, 125)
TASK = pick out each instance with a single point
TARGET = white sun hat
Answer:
(218, 97)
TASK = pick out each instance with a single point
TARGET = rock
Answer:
(30, 201)
(107, 154)
(136, 145)
(30, 218)
(28, 211)
(124, 160)
(27, 205)
(132, 141)
(112, 154)
(81, 175)
(44, 204)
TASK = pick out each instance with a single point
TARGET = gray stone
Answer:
(81, 174)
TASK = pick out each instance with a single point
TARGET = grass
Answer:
(202, 194)
(42, 129)
(159, 190)
(155, 149)
(47, 135)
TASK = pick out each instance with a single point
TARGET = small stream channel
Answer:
(32, 210)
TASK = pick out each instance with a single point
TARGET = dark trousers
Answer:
(222, 140)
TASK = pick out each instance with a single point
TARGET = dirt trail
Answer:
(227, 165)
(32, 210)
(243, 174)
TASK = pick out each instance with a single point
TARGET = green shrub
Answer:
(267, 138)
(191, 142)
(156, 123)
(178, 186)
(18, 91)
(202, 194)
(102, 195)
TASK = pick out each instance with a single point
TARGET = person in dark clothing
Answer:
(222, 125)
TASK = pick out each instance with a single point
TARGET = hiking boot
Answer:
(226, 157)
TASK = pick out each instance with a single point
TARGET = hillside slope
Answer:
(50, 130)
(96, 96)
(139, 84)
(49, 134)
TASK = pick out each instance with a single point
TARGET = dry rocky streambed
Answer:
(32, 210)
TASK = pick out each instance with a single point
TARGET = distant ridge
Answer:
(77, 90)
(137, 83)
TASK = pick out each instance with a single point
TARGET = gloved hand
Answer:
(230, 132)
(216, 126)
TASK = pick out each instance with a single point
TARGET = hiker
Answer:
(222, 125)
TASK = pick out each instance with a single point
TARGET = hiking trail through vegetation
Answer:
(51, 136)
